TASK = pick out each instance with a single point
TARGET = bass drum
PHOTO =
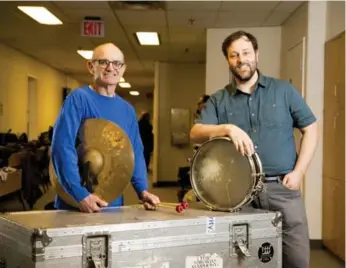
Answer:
(222, 178)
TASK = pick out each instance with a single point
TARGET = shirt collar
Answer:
(232, 87)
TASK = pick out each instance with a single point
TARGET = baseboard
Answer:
(165, 184)
(316, 244)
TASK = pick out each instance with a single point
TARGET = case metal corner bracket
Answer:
(39, 235)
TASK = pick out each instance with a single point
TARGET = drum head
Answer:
(220, 176)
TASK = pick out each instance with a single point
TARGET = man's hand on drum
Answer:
(92, 203)
(241, 140)
(149, 200)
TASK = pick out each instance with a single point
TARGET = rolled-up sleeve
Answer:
(301, 113)
(208, 115)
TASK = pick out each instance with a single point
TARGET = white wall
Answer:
(314, 97)
(217, 72)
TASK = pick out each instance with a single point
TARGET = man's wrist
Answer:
(143, 194)
(300, 171)
(226, 129)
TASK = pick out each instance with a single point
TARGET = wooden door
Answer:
(333, 223)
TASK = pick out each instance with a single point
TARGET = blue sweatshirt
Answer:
(81, 104)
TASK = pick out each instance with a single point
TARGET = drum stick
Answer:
(166, 205)
(170, 204)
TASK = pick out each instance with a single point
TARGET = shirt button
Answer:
(254, 130)
(253, 114)
(250, 99)
(255, 146)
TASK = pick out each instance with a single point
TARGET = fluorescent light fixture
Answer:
(148, 38)
(125, 85)
(86, 54)
(40, 14)
(134, 93)
(122, 80)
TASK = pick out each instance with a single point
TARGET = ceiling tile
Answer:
(78, 15)
(188, 35)
(247, 5)
(276, 18)
(288, 6)
(144, 18)
(237, 19)
(153, 53)
(78, 4)
(193, 5)
(201, 19)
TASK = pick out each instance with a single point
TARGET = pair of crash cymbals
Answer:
(106, 161)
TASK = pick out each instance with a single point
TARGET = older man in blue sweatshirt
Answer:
(97, 100)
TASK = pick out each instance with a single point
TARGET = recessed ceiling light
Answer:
(125, 85)
(148, 38)
(86, 54)
(40, 14)
(134, 93)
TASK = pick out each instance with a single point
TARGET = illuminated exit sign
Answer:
(93, 28)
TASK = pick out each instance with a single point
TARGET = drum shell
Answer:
(254, 175)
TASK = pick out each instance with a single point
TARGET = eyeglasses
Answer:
(105, 63)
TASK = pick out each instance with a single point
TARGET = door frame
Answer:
(28, 103)
(303, 87)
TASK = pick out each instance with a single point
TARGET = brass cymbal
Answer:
(106, 161)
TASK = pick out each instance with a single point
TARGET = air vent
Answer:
(137, 5)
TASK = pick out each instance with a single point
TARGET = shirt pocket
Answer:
(234, 117)
(276, 116)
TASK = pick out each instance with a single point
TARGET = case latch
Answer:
(277, 218)
(96, 250)
(240, 239)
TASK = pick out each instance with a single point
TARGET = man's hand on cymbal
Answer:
(92, 203)
(149, 200)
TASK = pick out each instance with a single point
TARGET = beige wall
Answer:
(335, 18)
(293, 31)
(176, 86)
(141, 104)
(15, 68)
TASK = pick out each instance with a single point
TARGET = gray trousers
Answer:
(295, 233)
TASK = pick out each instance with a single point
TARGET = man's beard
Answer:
(248, 76)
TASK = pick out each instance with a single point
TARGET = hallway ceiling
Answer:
(181, 26)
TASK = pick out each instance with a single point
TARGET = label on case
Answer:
(156, 265)
(204, 261)
(211, 225)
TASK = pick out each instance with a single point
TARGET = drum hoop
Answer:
(254, 163)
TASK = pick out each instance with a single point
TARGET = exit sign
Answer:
(93, 28)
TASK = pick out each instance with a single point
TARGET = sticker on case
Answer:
(266, 252)
(211, 222)
(204, 261)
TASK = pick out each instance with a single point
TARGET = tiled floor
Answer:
(319, 258)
